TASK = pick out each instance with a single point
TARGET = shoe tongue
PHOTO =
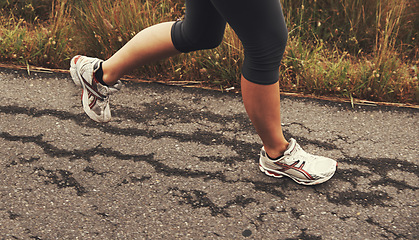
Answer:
(96, 66)
(291, 147)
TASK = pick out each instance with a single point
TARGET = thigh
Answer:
(261, 27)
(253, 20)
(202, 20)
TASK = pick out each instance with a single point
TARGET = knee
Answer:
(187, 40)
(262, 60)
(209, 42)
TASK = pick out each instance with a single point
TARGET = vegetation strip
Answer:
(354, 49)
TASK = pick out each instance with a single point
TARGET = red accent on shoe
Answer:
(77, 58)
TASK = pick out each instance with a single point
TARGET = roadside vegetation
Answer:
(365, 49)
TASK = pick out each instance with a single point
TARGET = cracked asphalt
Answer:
(182, 163)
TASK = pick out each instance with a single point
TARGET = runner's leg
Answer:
(151, 44)
(262, 103)
(261, 27)
(202, 28)
(262, 37)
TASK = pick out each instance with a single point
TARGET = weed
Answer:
(351, 48)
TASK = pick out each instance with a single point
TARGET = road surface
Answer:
(182, 163)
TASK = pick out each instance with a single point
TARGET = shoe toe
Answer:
(325, 167)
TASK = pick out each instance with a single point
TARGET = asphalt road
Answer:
(181, 163)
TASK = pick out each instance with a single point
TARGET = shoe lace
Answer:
(114, 88)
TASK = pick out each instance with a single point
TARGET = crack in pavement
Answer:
(209, 129)
(158, 166)
(199, 199)
(193, 197)
(61, 178)
(343, 198)
(398, 236)
(205, 137)
(305, 236)
(379, 166)
(364, 199)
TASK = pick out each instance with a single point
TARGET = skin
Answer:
(149, 45)
(262, 102)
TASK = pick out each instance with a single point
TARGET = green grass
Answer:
(365, 49)
(30, 41)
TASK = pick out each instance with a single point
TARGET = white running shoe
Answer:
(95, 96)
(300, 166)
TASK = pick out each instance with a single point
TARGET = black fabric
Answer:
(98, 73)
(274, 159)
(259, 24)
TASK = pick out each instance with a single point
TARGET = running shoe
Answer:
(300, 166)
(95, 96)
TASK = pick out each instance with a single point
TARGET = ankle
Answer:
(98, 74)
(110, 77)
(276, 151)
(108, 80)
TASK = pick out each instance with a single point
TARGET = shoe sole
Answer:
(277, 174)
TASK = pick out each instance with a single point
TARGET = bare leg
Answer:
(262, 103)
(151, 44)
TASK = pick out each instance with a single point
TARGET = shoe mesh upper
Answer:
(95, 96)
(300, 164)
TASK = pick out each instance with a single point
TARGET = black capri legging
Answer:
(259, 24)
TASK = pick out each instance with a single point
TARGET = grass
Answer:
(364, 49)
(29, 41)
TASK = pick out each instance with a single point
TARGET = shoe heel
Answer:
(262, 169)
(269, 173)
(73, 70)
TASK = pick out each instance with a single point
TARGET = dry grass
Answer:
(366, 49)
